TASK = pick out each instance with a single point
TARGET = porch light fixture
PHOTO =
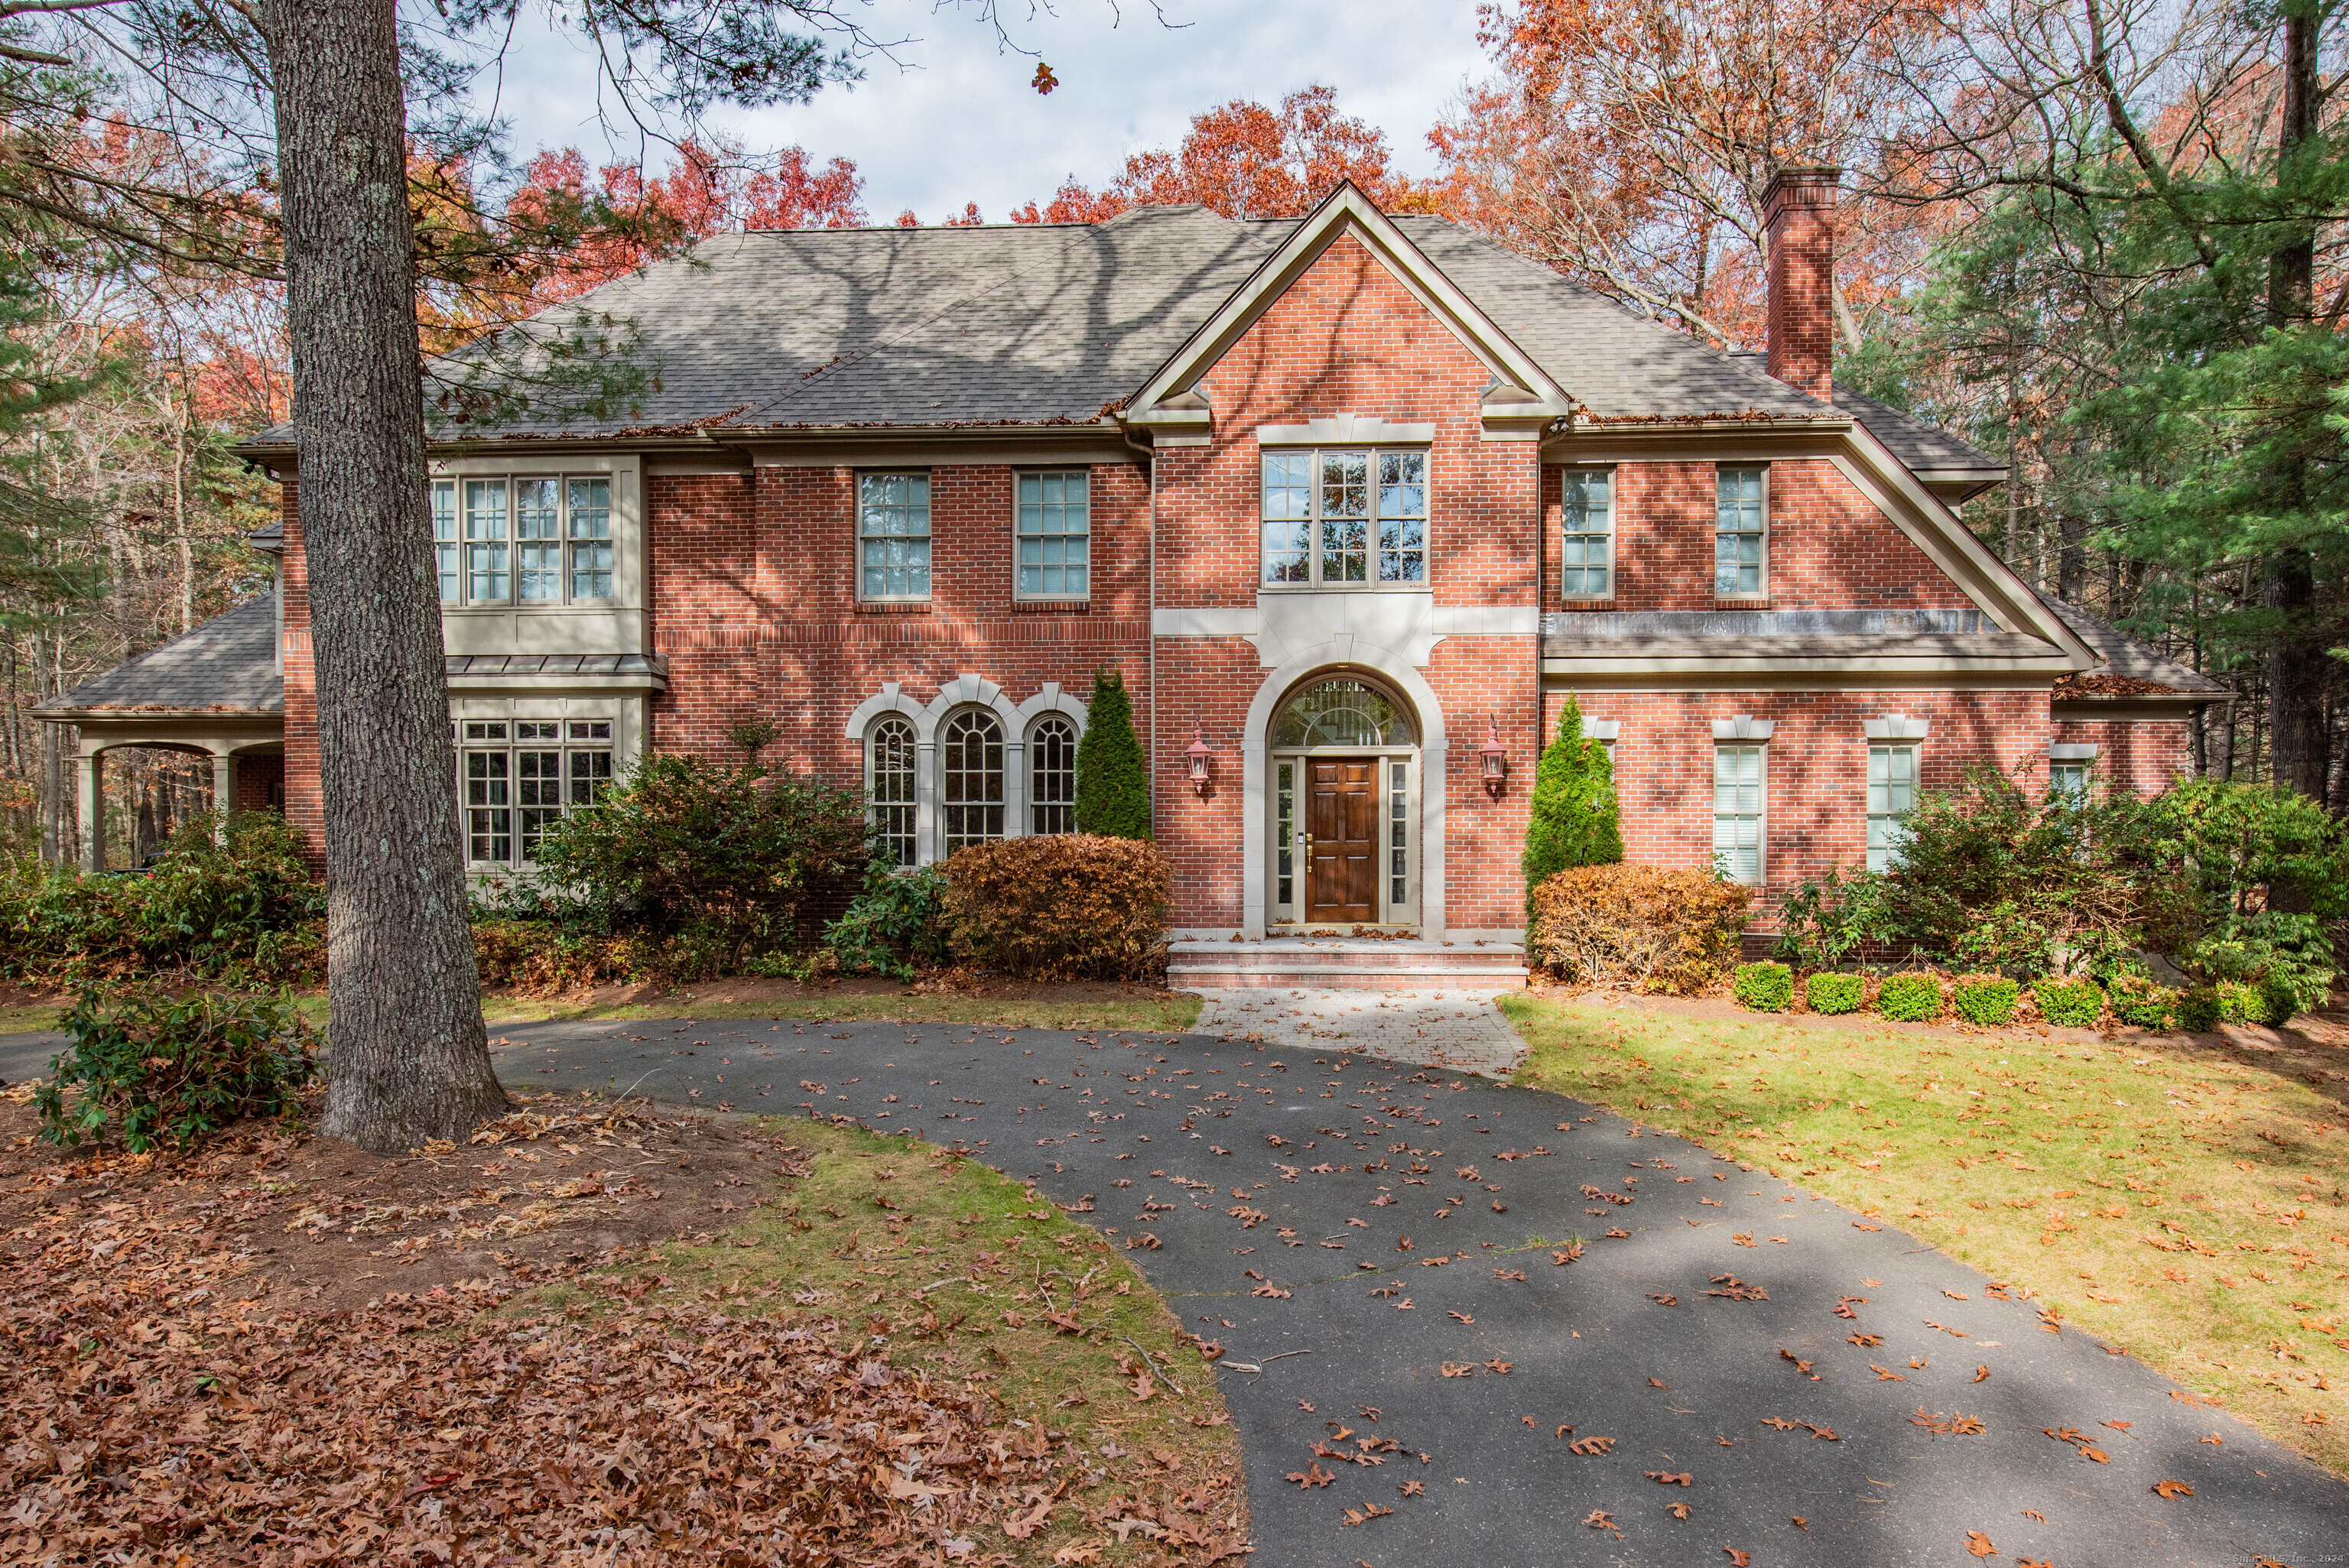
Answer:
(1199, 761)
(1494, 758)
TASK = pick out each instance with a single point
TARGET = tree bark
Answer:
(408, 1060)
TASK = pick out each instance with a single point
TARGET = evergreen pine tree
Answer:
(1112, 780)
(1572, 821)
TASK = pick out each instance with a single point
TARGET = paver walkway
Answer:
(1463, 1031)
(1478, 1367)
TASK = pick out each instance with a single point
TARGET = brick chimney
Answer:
(1798, 217)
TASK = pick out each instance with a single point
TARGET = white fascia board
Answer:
(1346, 210)
(1929, 523)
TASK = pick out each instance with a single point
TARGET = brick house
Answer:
(1353, 501)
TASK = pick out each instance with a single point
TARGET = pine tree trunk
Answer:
(408, 1060)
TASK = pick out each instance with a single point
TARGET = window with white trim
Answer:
(889, 788)
(538, 540)
(1342, 517)
(1054, 525)
(970, 765)
(2068, 781)
(1586, 544)
(893, 527)
(1739, 527)
(1892, 790)
(1052, 776)
(1737, 811)
(517, 777)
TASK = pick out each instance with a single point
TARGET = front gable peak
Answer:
(1521, 402)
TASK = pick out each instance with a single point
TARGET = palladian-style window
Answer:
(1342, 517)
(889, 787)
(1052, 777)
(971, 762)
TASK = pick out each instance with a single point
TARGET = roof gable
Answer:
(1524, 396)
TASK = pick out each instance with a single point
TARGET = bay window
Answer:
(524, 540)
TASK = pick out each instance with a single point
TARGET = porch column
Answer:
(90, 801)
(223, 794)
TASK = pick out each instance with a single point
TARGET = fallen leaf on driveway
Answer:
(1885, 1375)
(1503, 1368)
(1663, 1300)
(1464, 1317)
(2173, 1489)
(1618, 1235)
(1677, 1510)
(1780, 1422)
(1865, 1341)
(1458, 1368)
(1736, 1289)
(1311, 1475)
(1953, 1424)
(1566, 1254)
(1589, 1447)
(1982, 1374)
(1369, 1510)
(1412, 1489)
(1666, 1478)
(1800, 1522)
(1739, 1559)
(1272, 1291)
(1742, 1239)
(2079, 1440)
(1800, 1365)
(1600, 1520)
(1977, 1544)
(2035, 1513)
(1946, 1328)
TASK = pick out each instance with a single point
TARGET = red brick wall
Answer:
(1346, 337)
(1829, 548)
(255, 777)
(1815, 765)
(2141, 758)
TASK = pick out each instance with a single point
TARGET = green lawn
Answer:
(2183, 1199)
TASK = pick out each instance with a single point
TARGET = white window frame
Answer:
(1885, 834)
(1722, 473)
(927, 537)
(450, 498)
(1760, 816)
(1569, 508)
(1317, 577)
(1037, 805)
(1021, 536)
(911, 803)
(1004, 824)
(588, 752)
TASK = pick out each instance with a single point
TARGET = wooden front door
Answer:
(1341, 820)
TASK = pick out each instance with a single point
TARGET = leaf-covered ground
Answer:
(2181, 1197)
(769, 1383)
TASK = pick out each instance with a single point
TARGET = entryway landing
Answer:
(1345, 963)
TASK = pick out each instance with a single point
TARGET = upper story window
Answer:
(1055, 532)
(1587, 551)
(528, 541)
(1334, 519)
(1740, 515)
(892, 529)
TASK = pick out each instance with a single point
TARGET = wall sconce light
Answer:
(1199, 761)
(1494, 758)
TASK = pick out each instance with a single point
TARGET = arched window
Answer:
(1342, 713)
(889, 786)
(1052, 776)
(971, 758)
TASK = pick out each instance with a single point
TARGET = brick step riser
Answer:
(1241, 959)
(1467, 984)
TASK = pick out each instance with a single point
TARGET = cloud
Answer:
(960, 123)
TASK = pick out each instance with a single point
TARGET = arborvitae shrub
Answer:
(2069, 1003)
(1572, 819)
(1985, 999)
(1827, 992)
(1764, 987)
(1062, 906)
(1909, 998)
(1112, 775)
(1671, 931)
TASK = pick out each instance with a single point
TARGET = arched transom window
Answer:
(971, 762)
(1052, 776)
(1342, 712)
(889, 786)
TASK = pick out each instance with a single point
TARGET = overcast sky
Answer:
(961, 123)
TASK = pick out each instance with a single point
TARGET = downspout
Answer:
(1150, 617)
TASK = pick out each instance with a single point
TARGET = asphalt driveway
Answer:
(1884, 1433)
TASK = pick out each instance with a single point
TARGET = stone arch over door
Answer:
(1335, 660)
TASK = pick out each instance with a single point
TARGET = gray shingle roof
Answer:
(1040, 324)
(1927, 449)
(2125, 655)
(228, 665)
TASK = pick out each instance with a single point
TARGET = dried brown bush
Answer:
(1659, 930)
(1067, 906)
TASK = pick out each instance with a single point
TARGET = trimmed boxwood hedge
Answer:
(1764, 987)
(1826, 992)
(1909, 998)
(2070, 1003)
(1985, 999)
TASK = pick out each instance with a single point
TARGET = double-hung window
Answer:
(1739, 536)
(1586, 544)
(1341, 518)
(532, 541)
(1055, 532)
(893, 528)
(1891, 789)
(2068, 781)
(517, 777)
(1738, 811)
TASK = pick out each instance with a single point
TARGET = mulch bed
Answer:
(281, 1350)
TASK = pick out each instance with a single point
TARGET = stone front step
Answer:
(1346, 965)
